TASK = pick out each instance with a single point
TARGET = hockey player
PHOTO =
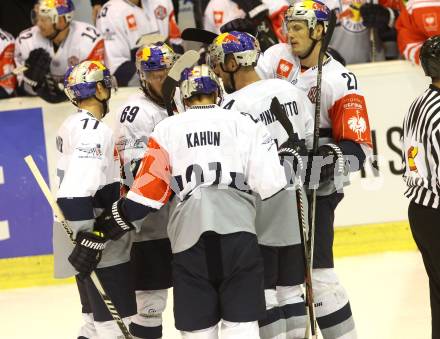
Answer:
(8, 81)
(211, 159)
(344, 131)
(88, 171)
(233, 56)
(151, 251)
(123, 22)
(50, 47)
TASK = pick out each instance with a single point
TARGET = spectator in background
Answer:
(51, 46)
(362, 36)
(8, 81)
(418, 21)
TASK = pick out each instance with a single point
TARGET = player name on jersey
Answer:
(203, 139)
(289, 108)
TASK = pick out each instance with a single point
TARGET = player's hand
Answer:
(375, 15)
(240, 25)
(87, 252)
(328, 163)
(111, 222)
(51, 91)
(38, 65)
(294, 150)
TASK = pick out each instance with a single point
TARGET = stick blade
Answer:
(277, 110)
(189, 59)
(198, 35)
(149, 39)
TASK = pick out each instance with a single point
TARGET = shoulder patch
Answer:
(284, 68)
(131, 22)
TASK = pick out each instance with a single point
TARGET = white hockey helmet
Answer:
(199, 79)
(244, 47)
(311, 11)
(56, 8)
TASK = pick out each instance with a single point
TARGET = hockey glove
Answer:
(38, 65)
(251, 7)
(293, 150)
(375, 16)
(50, 90)
(241, 25)
(112, 223)
(328, 162)
(87, 252)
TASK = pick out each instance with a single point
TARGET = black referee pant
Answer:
(425, 227)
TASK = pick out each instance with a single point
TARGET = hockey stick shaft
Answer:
(312, 208)
(276, 109)
(15, 71)
(60, 217)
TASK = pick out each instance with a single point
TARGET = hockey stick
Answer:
(60, 216)
(198, 35)
(276, 109)
(188, 59)
(148, 39)
(312, 206)
(15, 71)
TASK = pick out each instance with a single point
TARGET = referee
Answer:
(421, 150)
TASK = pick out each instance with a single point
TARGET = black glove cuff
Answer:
(257, 11)
(91, 241)
(117, 217)
(339, 157)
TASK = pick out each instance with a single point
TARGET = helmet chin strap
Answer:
(233, 88)
(57, 31)
(150, 94)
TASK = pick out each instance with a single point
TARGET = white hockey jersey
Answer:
(219, 12)
(277, 218)
(88, 172)
(7, 64)
(343, 110)
(122, 23)
(211, 158)
(82, 43)
(136, 120)
(160, 15)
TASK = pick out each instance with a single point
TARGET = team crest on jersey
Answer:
(350, 18)
(218, 17)
(284, 68)
(412, 153)
(73, 61)
(131, 22)
(430, 22)
(312, 94)
(160, 12)
(88, 151)
(358, 125)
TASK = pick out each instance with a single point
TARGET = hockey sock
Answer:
(333, 312)
(293, 308)
(232, 330)
(273, 326)
(110, 329)
(88, 329)
(147, 323)
(207, 333)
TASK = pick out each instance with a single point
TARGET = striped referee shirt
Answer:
(421, 149)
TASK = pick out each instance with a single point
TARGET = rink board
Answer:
(372, 217)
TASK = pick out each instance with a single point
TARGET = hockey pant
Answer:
(228, 330)
(333, 312)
